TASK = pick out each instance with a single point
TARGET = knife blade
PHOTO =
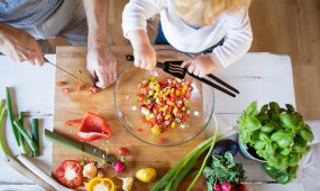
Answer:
(67, 72)
(78, 146)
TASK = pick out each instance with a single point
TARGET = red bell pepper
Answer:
(69, 173)
(93, 127)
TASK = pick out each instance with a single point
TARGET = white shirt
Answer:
(234, 27)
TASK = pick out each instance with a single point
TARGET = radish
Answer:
(119, 166)
(241, 187)
(217, 187)
(226, 186)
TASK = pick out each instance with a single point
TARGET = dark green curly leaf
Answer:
(290, 109)
(274, 107)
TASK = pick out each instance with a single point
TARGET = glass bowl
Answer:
(201, 104)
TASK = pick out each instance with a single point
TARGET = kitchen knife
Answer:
(67, 72)
(23, 170)
(78, 146)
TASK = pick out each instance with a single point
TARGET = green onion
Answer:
(207, 156)
(21, 139)
(33, 145)
(2, 112)
(11, 116)
(35, 136)
(174, 176)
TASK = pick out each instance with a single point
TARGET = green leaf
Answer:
(267, 128)
(252, 109)
(306, 133)
(290, 109)
(275, 108)
(264, 137)
(286, 151)
(294, 159)
(283, 138)
(288, 120)
(252, 123)
(259, 145)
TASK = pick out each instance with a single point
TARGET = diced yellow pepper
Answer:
(155, 129)
(157, 87)
(184, 89)
(168, 117)
(173, 124)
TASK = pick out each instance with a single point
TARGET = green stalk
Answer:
(33, 145)
(35, 136)
(180, 164)
(207, 156)
(2, 112)
(21, 139)
(184, 172)
(183, 165)
(11, 115)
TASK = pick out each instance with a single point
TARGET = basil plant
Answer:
(279, 135)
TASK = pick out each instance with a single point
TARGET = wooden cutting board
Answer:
(75, 105)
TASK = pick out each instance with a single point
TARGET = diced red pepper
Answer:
(93, 127)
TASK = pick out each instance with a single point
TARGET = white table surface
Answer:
(259, 76)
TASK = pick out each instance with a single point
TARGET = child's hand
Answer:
(201, 65)
(145, 57)
(144, 54)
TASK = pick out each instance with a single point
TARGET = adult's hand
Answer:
(20, 46)
(102, 66)
(101, 63)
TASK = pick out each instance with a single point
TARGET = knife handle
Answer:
(27, 173)
(39, 172)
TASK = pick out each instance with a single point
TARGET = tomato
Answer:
(60, 83)
(69, 173)
(98, 183)
(123, 151)
(65, 90)
(73, 122)
(79, 87)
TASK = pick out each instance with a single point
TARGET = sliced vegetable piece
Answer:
(60, 83)
(69, 173)
(98, 183)
(35, 136)
(33, 145)
(146, 175)
(93, 127)
(2, 112)
(11, 115)
(21, 139)
(65, 90)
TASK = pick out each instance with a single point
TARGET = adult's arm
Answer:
(19, 45)
(101, 63)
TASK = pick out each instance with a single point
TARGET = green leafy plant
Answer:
(223, 168)
(278, 135)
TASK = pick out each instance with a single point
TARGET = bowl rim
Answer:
(149, 143)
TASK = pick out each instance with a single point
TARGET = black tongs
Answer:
(173, 68)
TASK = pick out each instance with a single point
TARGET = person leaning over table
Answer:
(22, 22)
(220, 29)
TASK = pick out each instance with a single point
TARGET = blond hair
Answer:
(206, 11)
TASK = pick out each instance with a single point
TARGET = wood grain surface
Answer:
(75, 105)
